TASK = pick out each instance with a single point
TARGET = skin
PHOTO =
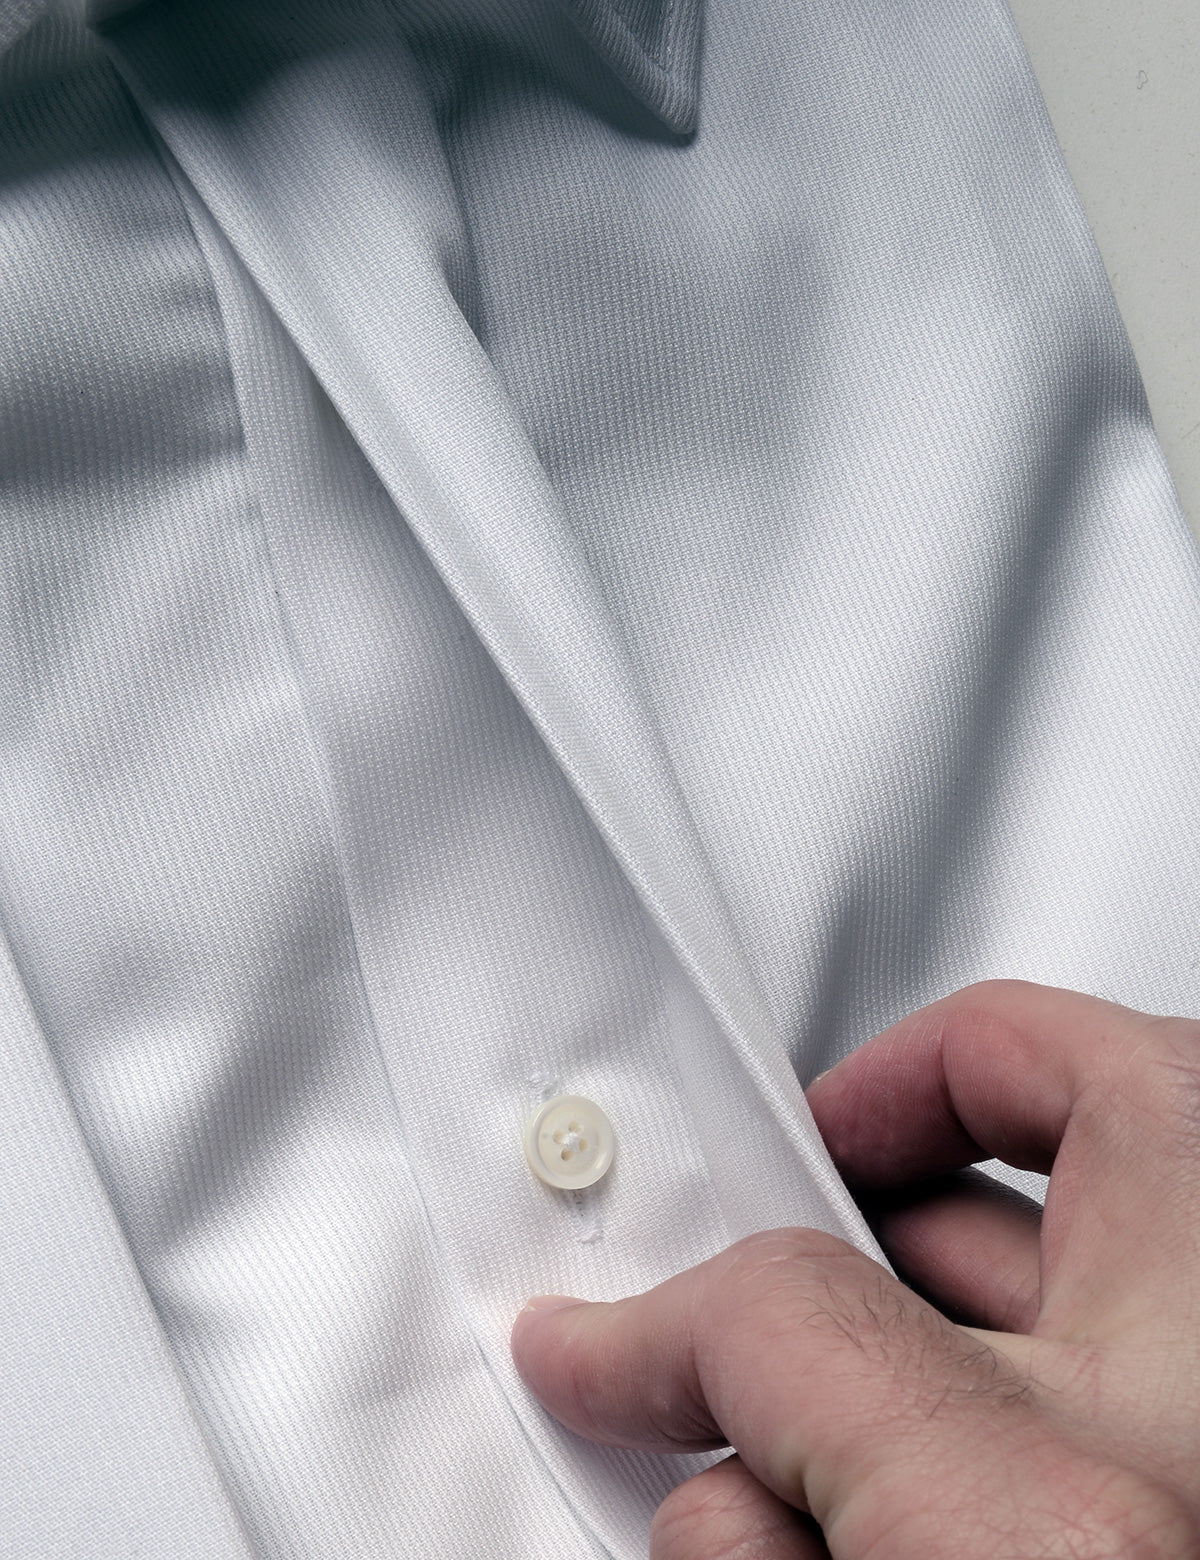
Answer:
(1032, 1392)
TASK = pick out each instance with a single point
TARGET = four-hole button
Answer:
(569, 1141)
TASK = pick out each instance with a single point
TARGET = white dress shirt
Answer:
(568, 548)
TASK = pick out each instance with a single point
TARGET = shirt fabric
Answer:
(583, 548)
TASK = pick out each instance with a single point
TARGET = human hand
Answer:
(1063, 1422)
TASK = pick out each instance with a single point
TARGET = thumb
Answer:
(844, 1393)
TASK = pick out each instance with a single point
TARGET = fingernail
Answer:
(547, 1303)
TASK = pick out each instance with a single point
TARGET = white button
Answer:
(569, 1141)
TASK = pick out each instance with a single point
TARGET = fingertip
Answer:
(824, 1094)
(884, 1111)
(844, 1114)
(526, 1324)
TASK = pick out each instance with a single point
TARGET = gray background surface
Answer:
(1121, 79)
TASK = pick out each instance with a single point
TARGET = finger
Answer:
(1045, 1078)
(836, 1384)
(724, 1513)
(992, 1070)
(966, 1243)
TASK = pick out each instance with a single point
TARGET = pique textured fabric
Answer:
(554, 546)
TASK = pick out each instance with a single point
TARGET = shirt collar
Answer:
(621, 56)
(652, 48)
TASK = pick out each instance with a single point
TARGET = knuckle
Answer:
(986, 1014)
(1061, 1509)
(1170, 1048)
(786, 1286)
(1153, 1078)
(998, 991)
(990, 1001)
(767, 1250)
(767, 1275)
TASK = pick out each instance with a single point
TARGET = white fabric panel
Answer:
(101, 1454)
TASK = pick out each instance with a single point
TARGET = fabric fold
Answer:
(355, 263)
